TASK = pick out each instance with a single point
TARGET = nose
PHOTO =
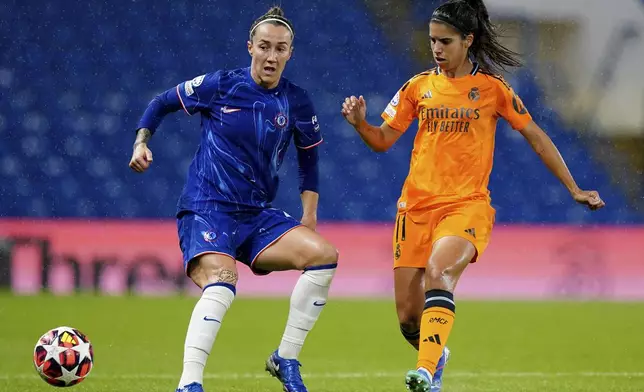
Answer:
(272, 56)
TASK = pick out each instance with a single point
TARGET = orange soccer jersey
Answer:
(453, 150)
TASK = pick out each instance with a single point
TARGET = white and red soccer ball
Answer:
(63, 356)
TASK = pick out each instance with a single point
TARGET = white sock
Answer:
(426, 373)
(205, 322)
(307, 301)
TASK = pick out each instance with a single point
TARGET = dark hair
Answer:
(275, 12)
(471, 17)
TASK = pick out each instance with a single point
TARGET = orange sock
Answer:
(435, 326)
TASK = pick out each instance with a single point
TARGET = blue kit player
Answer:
(248, 118)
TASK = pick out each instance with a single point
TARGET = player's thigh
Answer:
(409, 293)
(207, 247)
(459, 239)
(285, 244)
(450, 256)
(471, 221)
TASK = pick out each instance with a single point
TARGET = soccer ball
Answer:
(63, 356)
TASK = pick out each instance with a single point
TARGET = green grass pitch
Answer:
(356, 345)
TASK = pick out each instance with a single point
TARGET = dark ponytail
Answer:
(471, 17)
(277, 13)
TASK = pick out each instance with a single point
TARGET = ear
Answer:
(249, 46)
(469, 40)
(290, 53)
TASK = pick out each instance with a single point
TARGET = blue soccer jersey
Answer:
(246, 130)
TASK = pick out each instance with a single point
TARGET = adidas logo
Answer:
(471, 232)
(434, 339)
(428, 94)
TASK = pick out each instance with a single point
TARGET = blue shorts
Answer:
(240, 235)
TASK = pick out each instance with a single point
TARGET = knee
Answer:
(210, 268)
(321, 266)
(443, 278)
(320, 254)
(437, 275)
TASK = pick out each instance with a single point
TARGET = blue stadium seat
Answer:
(68, 115)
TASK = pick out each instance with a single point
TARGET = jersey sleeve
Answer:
(401, 110)
(307, 127)
(511, 108)
(197, 94)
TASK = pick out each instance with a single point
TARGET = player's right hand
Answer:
(141, 158)
(354, 110)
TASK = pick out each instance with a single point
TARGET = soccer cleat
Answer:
(287, 371)
(192, 387)
(437, 381)
(418, 380)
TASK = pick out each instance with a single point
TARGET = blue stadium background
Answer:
(75, 77)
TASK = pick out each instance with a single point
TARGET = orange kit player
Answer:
(445, 215)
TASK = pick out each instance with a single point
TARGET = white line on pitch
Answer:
(341, 375)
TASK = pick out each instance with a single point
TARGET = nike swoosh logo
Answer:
(230, 110)
(206, 318)
(316, 303)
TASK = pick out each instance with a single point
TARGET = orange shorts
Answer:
(416, 232)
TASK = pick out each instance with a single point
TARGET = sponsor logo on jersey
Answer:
(448, 120)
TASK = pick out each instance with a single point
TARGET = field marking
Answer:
(357, 375)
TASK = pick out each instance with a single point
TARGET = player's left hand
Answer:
(309, 221)
(589, 198)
